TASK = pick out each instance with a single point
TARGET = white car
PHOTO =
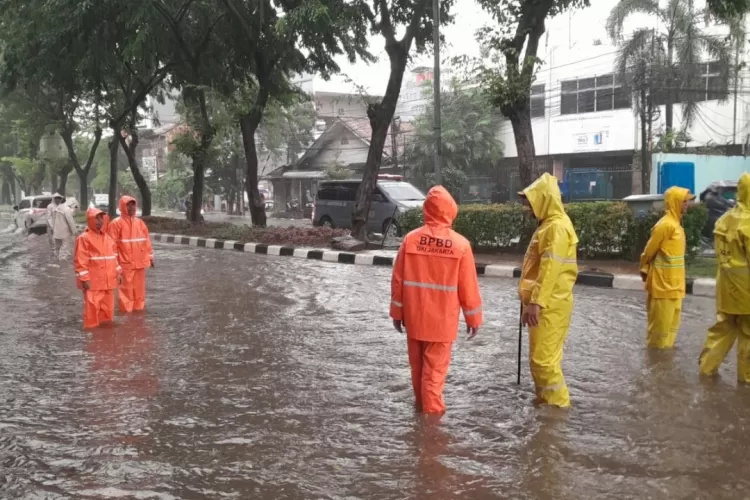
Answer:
(31, 213)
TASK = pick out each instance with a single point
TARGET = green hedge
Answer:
(605, 229)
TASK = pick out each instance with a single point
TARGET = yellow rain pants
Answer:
(663, 322)
(545, 354)
(720, 340)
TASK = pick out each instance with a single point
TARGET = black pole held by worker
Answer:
(520, 332)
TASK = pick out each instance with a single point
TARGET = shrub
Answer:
(605, 229)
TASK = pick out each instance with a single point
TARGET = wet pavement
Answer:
(260, 377)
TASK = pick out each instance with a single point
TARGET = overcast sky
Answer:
(579, 28)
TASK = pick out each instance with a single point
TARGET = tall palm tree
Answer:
(673, 52)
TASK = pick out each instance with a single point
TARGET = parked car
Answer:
(718, 197)
(31, 213)
(334, 204)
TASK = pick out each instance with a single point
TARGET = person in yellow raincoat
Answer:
(546, 288)
(732, 245)
(663, 271)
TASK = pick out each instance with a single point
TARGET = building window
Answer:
(589, 95)
(707, 88)
(342, 111)
(537, 101)
(345, 140)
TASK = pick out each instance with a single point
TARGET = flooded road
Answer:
(256, 377)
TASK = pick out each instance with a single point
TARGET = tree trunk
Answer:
(62, 184)
(249, 125)
(53, 182)
(83, 186)
(82, 171)
(140, 181)
(114, 146)
(381, 116)
(200, 156)
(520, 119)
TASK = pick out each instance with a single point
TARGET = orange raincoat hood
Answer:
(673, 198)
(123, 205)
(439, 208)
(91, 215)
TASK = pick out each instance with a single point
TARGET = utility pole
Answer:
(395, 125)
(736, 84)
(436, 89)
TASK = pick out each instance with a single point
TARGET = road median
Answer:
(384, 258)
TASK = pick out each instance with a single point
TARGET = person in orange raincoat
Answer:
(130, 234)
(663, 271)
(97, 270)
(548, 274)
(433, 277)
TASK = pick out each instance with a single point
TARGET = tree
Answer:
(728, 9)
(469, 136)
(662, 67)
(385, 19)
(132, 57)
(520, 26)
(203, 61)
(276, 41)
(176, 183)
(46, 58)
(677, 47)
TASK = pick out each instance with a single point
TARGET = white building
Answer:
(583, 120)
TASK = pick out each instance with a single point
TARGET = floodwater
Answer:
(255, 377)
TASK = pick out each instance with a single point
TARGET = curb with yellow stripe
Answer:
(703, 287)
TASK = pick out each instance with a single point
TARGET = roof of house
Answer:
(361, 128)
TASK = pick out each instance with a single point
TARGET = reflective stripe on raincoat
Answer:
(434, 275)
(131, 237)
(549, 268)
(95, 256)
(732, 245)
(663, 259)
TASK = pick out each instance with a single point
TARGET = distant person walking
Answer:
(50, 220)
(548, 274)
(130, 235)
(732, 245)
(97, 270)
(663, 271)
(63, 224)
(433, 277)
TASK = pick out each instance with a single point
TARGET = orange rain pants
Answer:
(429, 365)
(131, 296)
(98, 307)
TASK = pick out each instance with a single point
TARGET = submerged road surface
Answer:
(255, 377)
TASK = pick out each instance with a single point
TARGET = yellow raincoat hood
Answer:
(673, 198)
(727, 227)
(544, 197)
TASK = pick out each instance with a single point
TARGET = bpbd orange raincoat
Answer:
(663, 265)
(434, 277)
(548, 274)
(95, 263)
(134, 248)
